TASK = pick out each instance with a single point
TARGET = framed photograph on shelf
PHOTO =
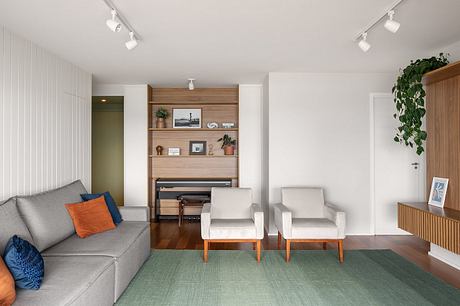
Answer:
(438, 191)
(187, 118)
(197, 147)
(173, 151)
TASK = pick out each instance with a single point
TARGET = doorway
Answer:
(107, 161)
(397, 172)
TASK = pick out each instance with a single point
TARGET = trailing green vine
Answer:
(409, 97)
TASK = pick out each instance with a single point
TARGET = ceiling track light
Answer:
(116, 22)
(113, 25)
(132, 42)
(363, 44)
(390, 24)
(191, 86)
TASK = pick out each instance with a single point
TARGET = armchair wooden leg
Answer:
(279, 240)
(288, 250)
(258, 251)
(254, 246)
(205, 250)
(324, 245)
(340, 250)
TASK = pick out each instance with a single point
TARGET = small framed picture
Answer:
(197, 147)
(438, 191)
(173, 151)
(187, 118)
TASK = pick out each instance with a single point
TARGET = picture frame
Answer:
(438, 191)
(187, 118)
(197, 147)
(173, 151)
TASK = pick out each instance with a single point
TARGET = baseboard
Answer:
(445, 256)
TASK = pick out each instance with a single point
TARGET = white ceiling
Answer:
(235, 41)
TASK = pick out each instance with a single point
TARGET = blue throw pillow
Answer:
(25, 263)
(111, 205)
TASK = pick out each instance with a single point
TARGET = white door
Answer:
(397, 172)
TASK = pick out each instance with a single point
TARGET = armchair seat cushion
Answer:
(314, 228)
(232, 229)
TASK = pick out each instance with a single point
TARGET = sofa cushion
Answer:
(11, 224)
(90, 217)
(232, 229)
(25, 263)
(46, 216)
(314, 228)
(7, 288)
(70, 280)
(111, 243)
(109, 201)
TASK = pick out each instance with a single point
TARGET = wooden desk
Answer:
(440, 226)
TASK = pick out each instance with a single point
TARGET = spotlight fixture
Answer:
(363, 44)
(191, 86)
(390, 24)
(113, 25)
(103, 100)
(132, 42)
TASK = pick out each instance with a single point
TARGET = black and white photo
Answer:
(187, 118)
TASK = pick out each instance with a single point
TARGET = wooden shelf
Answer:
(194, 103)
(193, 156)
(191, 130)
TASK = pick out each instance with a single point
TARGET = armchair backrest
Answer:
(304, 202)
(231, 203)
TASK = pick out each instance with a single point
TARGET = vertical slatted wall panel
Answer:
(45, 119)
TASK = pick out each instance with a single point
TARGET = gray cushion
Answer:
(11, 224)
(46, 216)
(73, 280)
(111, 243)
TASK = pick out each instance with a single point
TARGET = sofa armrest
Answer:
(283, 220)
(338, 217)
(135, 213)
(206, 221)
(257, 215)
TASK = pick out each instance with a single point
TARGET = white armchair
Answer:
(231, 217)
(304, 217)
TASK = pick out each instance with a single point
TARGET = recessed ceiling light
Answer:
(103, 100)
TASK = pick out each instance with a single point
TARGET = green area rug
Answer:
(367, 277)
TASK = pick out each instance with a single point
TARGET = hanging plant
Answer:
(409, 97)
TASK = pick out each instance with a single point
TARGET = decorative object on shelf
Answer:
(197, 147)
(161, 115)
(211, 149)
(159, 150)
(187, 118)
(228, 144)
(438, 191)
(228, 125)
(409, 97)
(212, 125)
(173, 151)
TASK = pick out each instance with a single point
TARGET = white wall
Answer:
(45, 119)
(250, 139)
(136, 145)
(319, 136)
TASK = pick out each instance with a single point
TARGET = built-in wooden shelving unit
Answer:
(217, 105)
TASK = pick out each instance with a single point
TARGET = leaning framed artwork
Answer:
(438, 191)
(187, 118)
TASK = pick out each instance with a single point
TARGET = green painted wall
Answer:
(107, 147)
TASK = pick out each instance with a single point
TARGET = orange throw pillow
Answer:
(90, 217)
(7, 287)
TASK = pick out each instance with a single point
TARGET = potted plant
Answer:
(161, 115)
(228, 144)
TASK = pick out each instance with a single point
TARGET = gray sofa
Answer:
(91, 271)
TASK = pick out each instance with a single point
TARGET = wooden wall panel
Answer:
(199, 95)
(443, 141)
(195, 167)
(45, 119)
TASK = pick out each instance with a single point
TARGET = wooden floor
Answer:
(167, 235)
